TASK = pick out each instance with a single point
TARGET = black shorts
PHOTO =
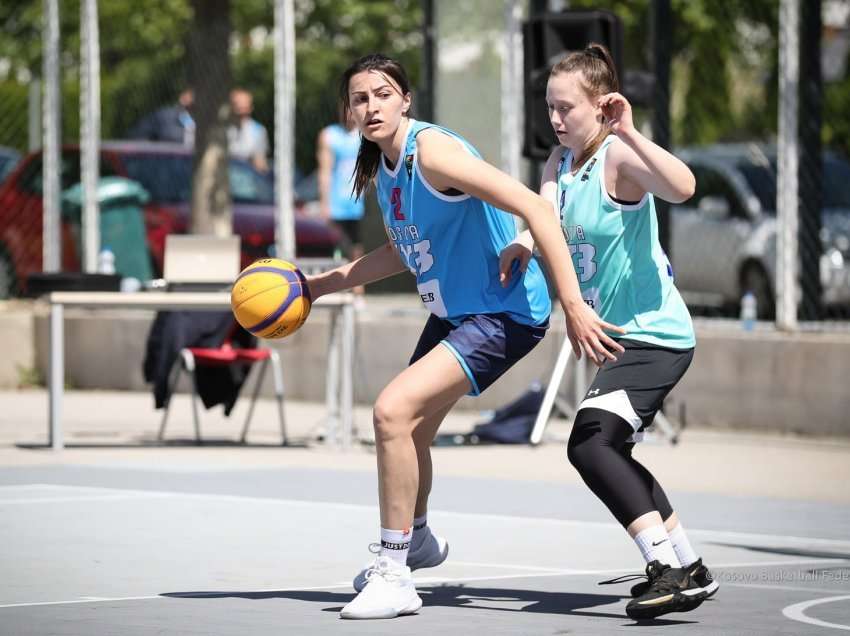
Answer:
(635, 385)
(485, 345)
(351, 230)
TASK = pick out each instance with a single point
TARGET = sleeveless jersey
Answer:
(451, 243)
(623, 273)
(344, 145)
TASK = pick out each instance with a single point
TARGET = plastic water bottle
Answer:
(749, 311)
(106, 261)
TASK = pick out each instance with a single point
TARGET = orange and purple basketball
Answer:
(270, 298)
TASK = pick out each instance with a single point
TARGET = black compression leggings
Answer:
(599, 450)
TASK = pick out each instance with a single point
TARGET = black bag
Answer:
(513, 423)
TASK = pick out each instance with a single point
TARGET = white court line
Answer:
(797, 611)
(781, 588)
(426, 581)
(463, 515)
(73, 499)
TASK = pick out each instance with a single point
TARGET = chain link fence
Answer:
(153, 78)
(724, 121)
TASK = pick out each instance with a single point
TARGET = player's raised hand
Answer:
(617, 111)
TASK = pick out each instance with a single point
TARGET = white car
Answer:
(724, 237)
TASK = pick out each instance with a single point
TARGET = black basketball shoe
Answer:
(699, 574)
(669, 590)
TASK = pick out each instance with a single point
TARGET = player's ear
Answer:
(405, 104)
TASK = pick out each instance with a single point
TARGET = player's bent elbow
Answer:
(682, 192)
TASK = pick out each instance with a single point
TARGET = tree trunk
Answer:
(209, 75)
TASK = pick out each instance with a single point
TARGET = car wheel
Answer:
(755, 279)
(8, 280)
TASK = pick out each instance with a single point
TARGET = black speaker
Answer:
(546, 39)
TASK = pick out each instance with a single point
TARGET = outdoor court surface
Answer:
(130, 549)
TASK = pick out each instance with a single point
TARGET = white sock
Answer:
(395, 544)
(655, 545)
(420, 531)
(682, 546)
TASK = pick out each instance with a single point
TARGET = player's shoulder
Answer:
(553, 162)
(434, 135)
(433, 142)
(618, 153)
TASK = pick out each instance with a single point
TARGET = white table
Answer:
(339, 392)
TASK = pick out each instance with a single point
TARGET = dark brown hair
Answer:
(599, 78)
(369, 155)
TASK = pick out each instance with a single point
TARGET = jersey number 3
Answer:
(585, 265)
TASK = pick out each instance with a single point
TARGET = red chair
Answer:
(191, 358)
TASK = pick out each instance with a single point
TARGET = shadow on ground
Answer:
(460, 596)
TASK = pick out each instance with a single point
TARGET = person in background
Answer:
(336, 154)
(246, 137)
(170, 123)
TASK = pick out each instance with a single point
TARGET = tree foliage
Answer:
(724, 85)
(144, 47)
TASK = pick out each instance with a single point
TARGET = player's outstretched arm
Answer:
(378, 264)
(447, 165)
(521, 248)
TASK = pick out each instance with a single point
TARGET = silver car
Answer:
(724, 237)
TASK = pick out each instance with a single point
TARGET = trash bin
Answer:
(122, 225)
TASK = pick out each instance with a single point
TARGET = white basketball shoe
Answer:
(388, 592)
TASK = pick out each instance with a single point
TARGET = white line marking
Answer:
(87, 599)
(797, 611)
(463, 515)
(781, 588)
(424, 581)
(73, 499)
(506, 566)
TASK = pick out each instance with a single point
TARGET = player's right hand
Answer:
(586, 331)
(513, 252)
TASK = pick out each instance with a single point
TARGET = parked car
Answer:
(8, 159)
(724, 237)
(165, 171)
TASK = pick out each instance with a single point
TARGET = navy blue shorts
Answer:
(486, 345)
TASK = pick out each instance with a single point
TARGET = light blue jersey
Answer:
(451, 243)
(344, 145)
(623, 272)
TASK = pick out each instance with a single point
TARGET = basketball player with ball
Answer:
(446, 216)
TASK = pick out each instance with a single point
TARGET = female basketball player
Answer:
(443, 214)
(602, 178)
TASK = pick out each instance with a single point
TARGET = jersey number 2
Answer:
(395, 201)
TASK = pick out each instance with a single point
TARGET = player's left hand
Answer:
(618, 112)
(515, 252)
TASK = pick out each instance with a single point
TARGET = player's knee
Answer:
(583, 446)
(579, 454)
(390, 418)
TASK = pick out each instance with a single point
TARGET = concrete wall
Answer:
(17, 343)
(761, 380)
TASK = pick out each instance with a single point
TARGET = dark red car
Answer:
(165, 171)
